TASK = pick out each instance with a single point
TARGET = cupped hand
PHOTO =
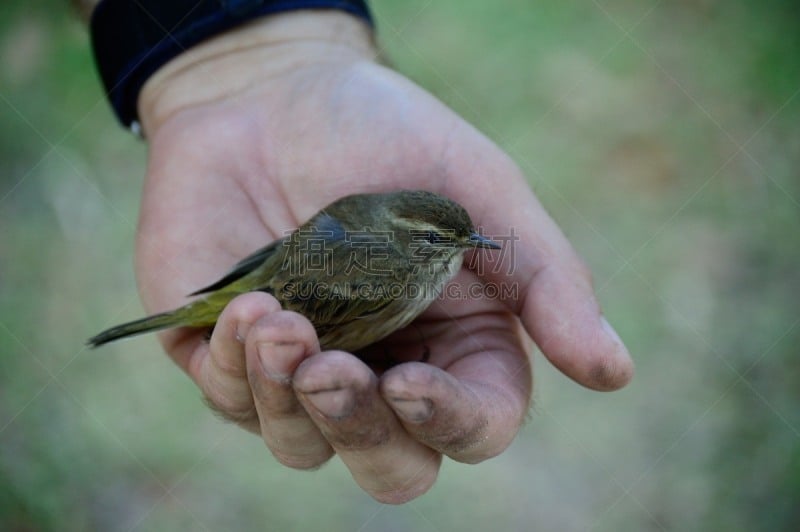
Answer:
(252, 133)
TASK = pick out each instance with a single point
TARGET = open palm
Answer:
(228, 175)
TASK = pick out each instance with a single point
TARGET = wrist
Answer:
(229, 64)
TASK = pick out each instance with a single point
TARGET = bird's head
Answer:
(433, 220)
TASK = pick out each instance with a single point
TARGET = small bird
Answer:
(361, 268)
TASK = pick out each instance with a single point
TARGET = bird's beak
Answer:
(480, 241)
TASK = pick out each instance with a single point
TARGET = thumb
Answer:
(554, 295)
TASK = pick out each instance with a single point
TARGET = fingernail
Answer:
(278, 358)
(610, 330)
(413, 410)
(337, 403)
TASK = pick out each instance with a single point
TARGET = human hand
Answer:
(252, 133)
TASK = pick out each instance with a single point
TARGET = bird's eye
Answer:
(436, 238)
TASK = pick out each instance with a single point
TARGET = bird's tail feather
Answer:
(151, 323)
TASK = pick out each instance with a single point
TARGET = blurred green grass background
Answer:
(664, 138)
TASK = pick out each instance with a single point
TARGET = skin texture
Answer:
(249, 135)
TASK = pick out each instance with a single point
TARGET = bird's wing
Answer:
(332, 307)
(243, 267)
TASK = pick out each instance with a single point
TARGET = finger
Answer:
(341, 394)
(222, 372)
(470, 412)
(555, 297)
(275, 346)
(573, 334)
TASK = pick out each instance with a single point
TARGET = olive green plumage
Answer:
(360, 269)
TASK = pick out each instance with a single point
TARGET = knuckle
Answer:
(303, 462)
(235, 412)
(296, 443)
(227, 395)
(408, 491)
(282, 327)
(360, 438)
(482, 431)
(477, 455)
(582, 270)
(233, 367)
(461, 440)
(251, 306)
(274, 397)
